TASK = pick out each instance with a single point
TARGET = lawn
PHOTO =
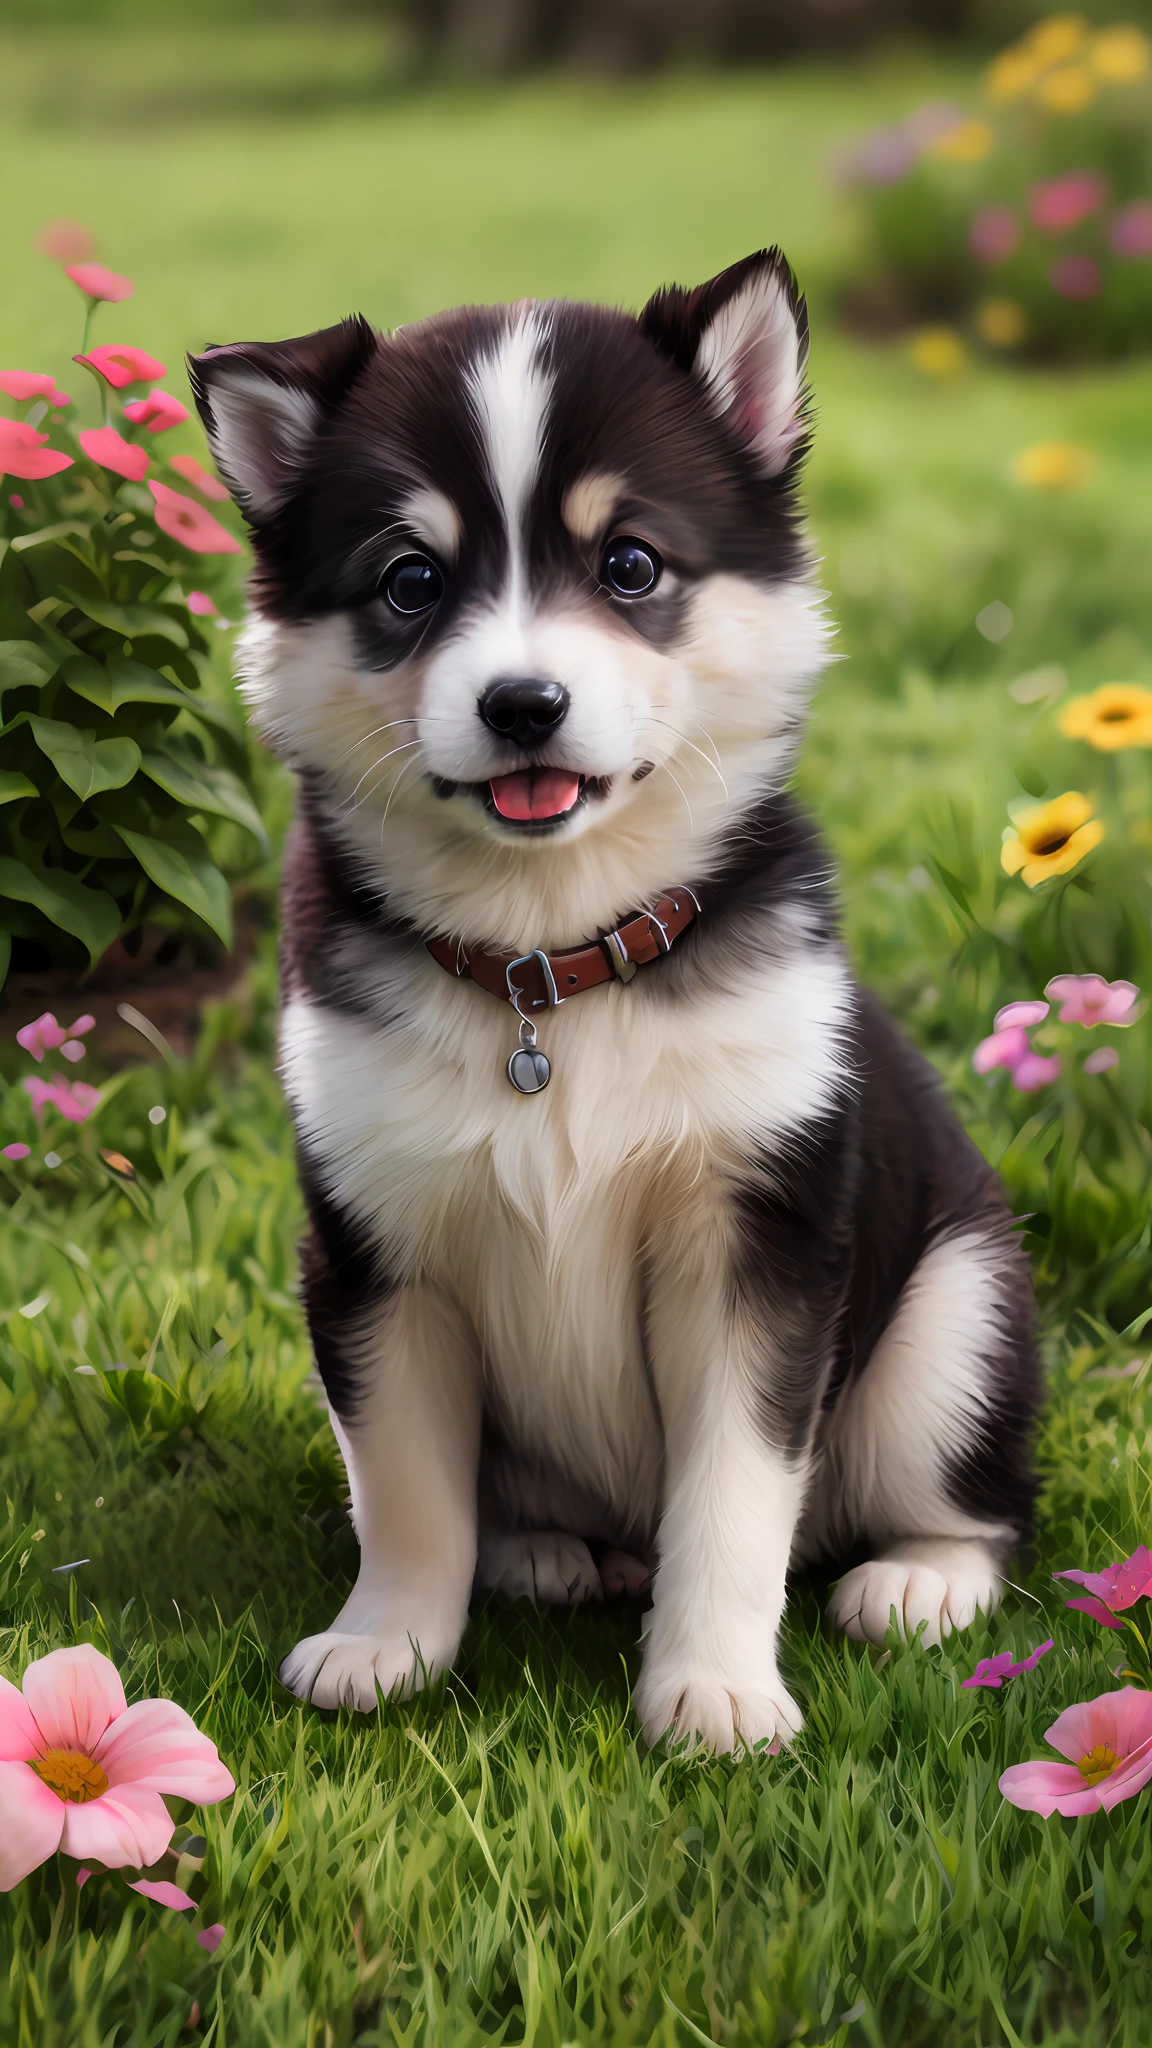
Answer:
(500, 1862)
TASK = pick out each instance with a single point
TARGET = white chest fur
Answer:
(533, 1213)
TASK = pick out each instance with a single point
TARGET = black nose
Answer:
(524, 710)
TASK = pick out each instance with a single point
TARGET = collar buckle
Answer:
(519, 993)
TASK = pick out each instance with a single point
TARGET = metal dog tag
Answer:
(529, 1070)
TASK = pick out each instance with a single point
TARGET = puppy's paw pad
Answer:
(723, 1717)
(541, 1565)
(940, 1588)
(336, 1670)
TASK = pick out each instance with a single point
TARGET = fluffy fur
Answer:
(735, 1290)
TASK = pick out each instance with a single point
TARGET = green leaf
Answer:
(23, 662)
(5, 955)
(85, 763)
(123, 682)
(179, 864)
(35, 540)
(87, 914)
(131, 621)
(13, 784)
(205, 788)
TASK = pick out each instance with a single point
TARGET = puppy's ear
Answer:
(263, 403)
(744, 335)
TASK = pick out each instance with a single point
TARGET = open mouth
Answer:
(533, 799)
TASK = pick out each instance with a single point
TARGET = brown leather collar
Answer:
(533, 982)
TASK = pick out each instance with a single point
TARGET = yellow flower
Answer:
(1051, 839)
(1067, 89)
(1010, 76)
(1058, 38)
(1119, 55)
(1053, 466)
(937, 351)
(1001, 323)
(969, 142)
(1114, 716)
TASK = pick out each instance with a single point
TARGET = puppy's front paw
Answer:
(341, 1670)
(724, 1713)
(940, 1583)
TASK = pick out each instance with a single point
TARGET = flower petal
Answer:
(210, 1937)
(33, 1822)
(1096, 1608)
(19, 1735)
(1129, 1777)
(1121, 1720)
(74, 1694)
(165, 1894)
(156, 1744)
(1041, 1787)
(127, 1824)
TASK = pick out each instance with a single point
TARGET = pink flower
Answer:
(1036, 1072)
(992, 1671)
(84, 1772)
(16, 501)
(161, 1891)
(186, 521)
(120, 364)
(1102, 1060)
(165, 1894)
(211, 1937)
(98, 283)
(16, 1152)
(1116, 1587)
(885, 157)
(1090, 1000)
(188, 467)
(1063, 202)
(74, 1100)
(42, 1036)
(1109, 1744)
(1022, 1014)
(1005, 1048)
(105, 446)
(24, 384)
(157, 412)
(1131, 231)
(24, 452)
(993, 234)
(199, 602)
(46, 1034)
(65, 240)
(1075, 277)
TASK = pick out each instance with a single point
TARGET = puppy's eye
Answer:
(630, 568)
(413, 584)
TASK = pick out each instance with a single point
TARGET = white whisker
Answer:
(401, 749)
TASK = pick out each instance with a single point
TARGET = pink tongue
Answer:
(535, 793)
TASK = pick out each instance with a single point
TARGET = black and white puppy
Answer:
(535, 624)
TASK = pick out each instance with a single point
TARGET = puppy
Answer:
(701, 1276)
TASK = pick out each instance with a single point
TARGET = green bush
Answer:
(1030, 223)
(116, 761)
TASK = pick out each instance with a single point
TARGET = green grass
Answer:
(499, 1861)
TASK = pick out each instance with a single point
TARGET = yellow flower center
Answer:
(71, 1774)
(1099, 1763)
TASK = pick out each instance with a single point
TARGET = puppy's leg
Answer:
(410, 1435)
(737, 1389)
(541, 1565)
(928, 1451)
